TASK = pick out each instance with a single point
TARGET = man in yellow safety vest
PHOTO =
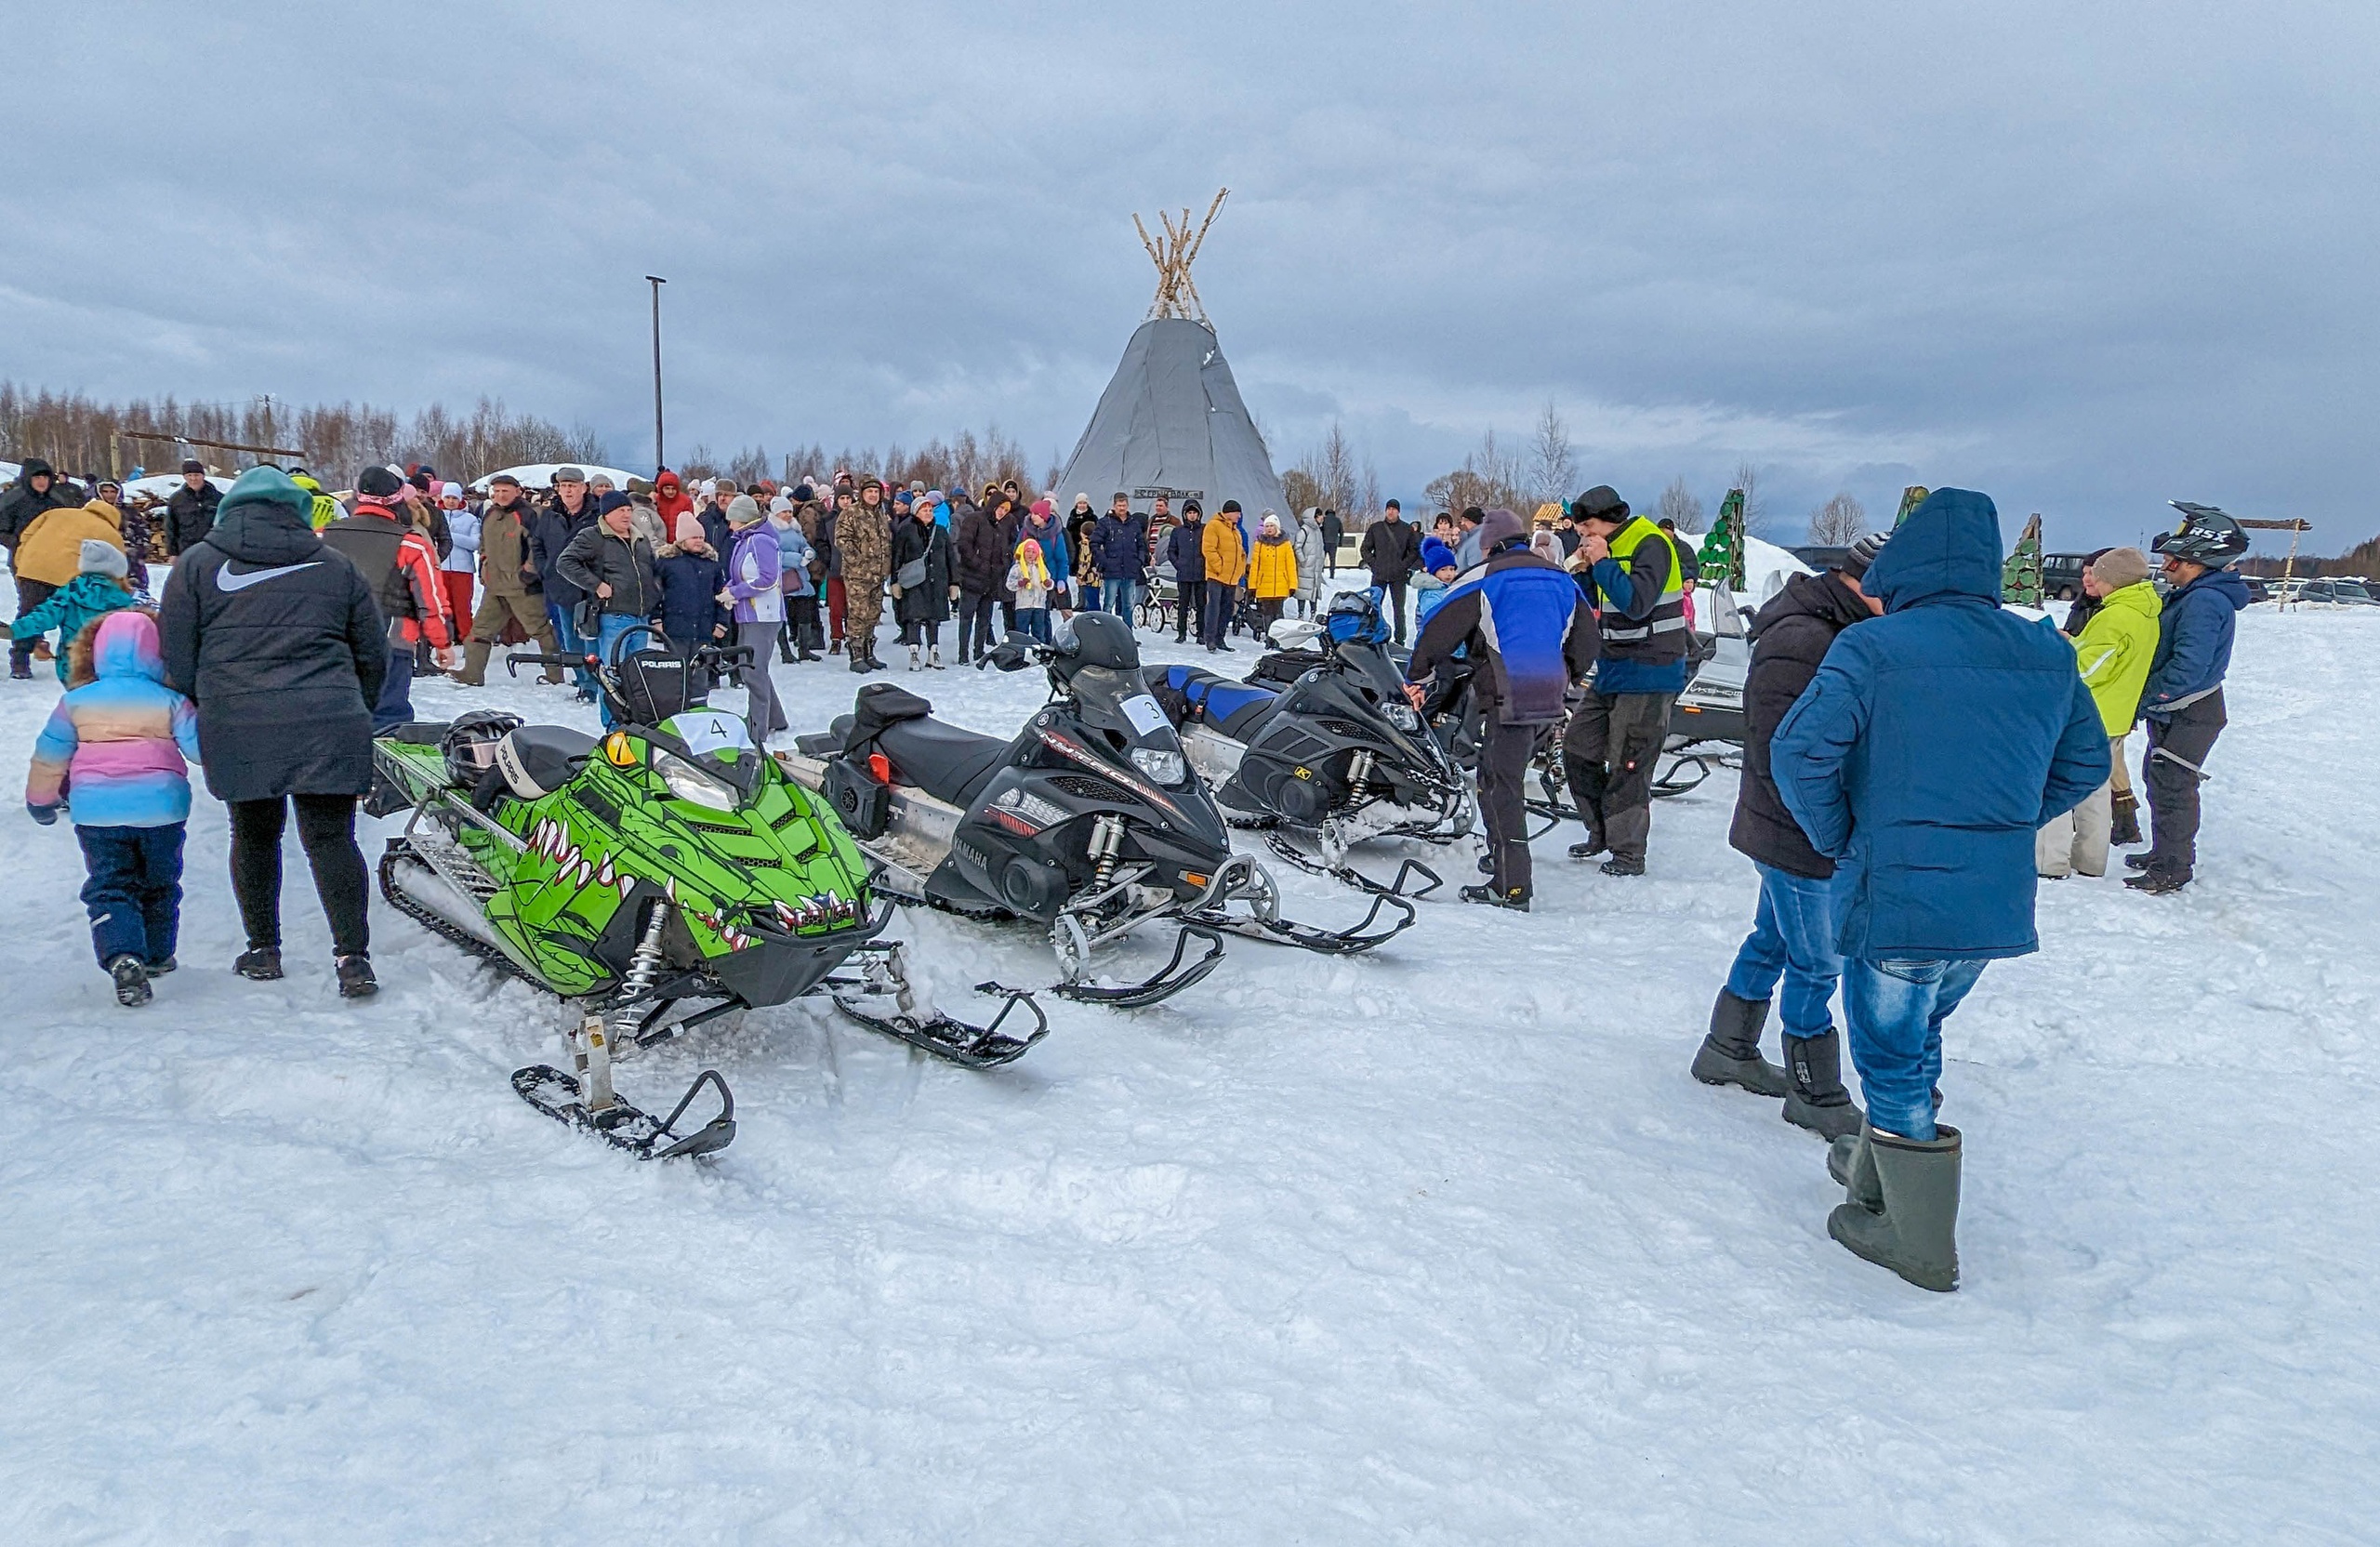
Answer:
(1629, 570)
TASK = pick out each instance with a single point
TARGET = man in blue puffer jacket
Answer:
(2183, 700)
(1931, 745)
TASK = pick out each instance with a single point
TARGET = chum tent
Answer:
(1171, 421)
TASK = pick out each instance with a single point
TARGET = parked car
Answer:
(2062, 576)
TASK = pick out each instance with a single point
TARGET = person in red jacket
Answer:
(670, 500)
(399, 564)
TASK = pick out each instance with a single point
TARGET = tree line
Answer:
(80, 435)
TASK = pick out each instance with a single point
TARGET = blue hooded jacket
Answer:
(1933, 742)
(2194, 635)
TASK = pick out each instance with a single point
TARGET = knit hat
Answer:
(103, 558)
(613, 501)
(1436, 555)
(419, 480)
(803, 493)
(272, 486)
(450, 491)
(1231, 507)
(688, 528)
(1498, 527)
(2115, 569)
(780, 505)
(1600, 503)
(1859, 555)
(372, 483)
(1272, 524)
(743, 511)
(1043, 508)
(192, 464)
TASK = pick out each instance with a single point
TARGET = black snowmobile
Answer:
(662, 867)
(1338, 756)
(1090, 823)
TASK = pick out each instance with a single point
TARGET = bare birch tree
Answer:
(1839, 523)
(1551, 465)
(1682, 506)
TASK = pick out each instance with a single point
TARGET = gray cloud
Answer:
(2082, 258)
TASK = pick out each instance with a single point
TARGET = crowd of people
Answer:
(1916, 756)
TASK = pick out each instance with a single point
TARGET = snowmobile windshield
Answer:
(1116, 707)
(1368, 674)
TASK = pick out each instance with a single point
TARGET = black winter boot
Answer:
(1818, 1100)
(1916, 1235)
(1730, 1052)
(356, 979)
(2124, 824)
(259, 963)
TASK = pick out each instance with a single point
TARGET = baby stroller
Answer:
(1161, 598)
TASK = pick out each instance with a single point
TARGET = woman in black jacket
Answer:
(924, 584)
(275, 635)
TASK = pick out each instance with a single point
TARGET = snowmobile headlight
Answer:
(1402, 716)
(1159, 765)
(689, 783)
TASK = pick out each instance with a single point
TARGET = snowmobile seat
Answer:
(538, 759)
(947, 763)
(1230, 707)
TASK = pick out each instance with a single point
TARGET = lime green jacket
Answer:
(2114, 650)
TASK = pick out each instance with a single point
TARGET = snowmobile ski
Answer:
(1393, 887)
(913, 1019)
(1244, 880)
(947, 1037)
(559, 1097)
(1168, 981)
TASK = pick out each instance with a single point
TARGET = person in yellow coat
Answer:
(1223, 547)
(49, 555)
(2113, 653)
(1272, 571)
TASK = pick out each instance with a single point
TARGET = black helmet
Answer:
(469, 744)
(2205, 537)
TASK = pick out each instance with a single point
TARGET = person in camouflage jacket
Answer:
(864, 540)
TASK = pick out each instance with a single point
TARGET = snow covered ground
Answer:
(1440, 1245)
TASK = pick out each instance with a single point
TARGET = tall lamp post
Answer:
(659, 459)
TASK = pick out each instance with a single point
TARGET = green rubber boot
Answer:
(1853, 1166)
(1916, 1235)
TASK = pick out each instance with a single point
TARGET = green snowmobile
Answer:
(658, 877)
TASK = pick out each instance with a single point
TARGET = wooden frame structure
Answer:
(1176, 297)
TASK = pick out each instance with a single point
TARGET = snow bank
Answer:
(1437, 1245)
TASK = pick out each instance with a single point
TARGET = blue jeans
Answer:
(608, 630)
(569, 641)
(395, 707)
(1115, 596)
(1792, 937)
(134, 894)
(1034, 621)
(1895, 1010)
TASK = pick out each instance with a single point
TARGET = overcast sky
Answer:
(2083, 258)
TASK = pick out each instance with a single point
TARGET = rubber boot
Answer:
(1816, 1099)
(1852, 1162)
(1916, 1235)
(858, 659)
(1730, 1052)
(2123, 821)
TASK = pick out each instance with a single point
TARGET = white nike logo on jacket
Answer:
(226, 580)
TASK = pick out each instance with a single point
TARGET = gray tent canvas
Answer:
(1171, 423)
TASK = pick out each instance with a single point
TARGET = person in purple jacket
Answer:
(754, 589)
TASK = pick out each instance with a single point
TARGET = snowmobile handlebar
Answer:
(515, 661)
